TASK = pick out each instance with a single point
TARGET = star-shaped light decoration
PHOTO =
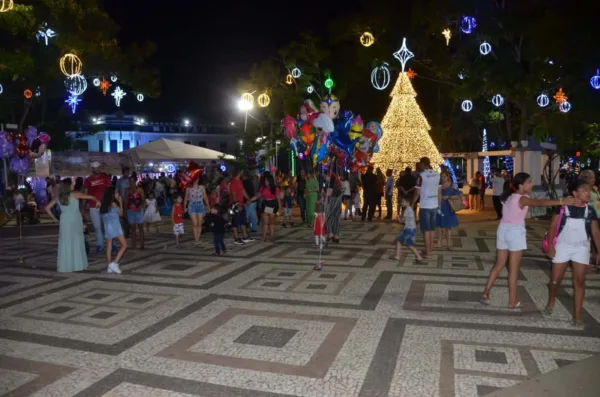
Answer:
(73, 101)
(118, 94)
(448, 35)
(560, 96)
(45, 33)
(104, 86)
(411, 73)
(403, 54)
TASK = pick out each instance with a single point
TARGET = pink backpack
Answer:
(546, 242)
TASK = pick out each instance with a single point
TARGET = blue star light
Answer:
(403, 54)
(73, 101)
(118, 94)
(45, 33)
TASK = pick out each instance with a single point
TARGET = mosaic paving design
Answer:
(259, 322)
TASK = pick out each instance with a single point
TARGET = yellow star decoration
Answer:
(560, 96)
(448, 35)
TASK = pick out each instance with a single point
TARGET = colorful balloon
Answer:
(19, 165)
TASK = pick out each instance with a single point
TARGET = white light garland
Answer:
(96, 82)
(380, 77)
(296, 73)
(498, 100)
(564, 107)
(140, 97)
(543, 100)
(466, 105)
(403, 54)
(485, 48)
(310, 89)
(118, 94)
(76, 85)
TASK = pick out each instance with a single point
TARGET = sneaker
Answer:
(114, 268)
(248, 239)
(318, 266)
(99, 249)
(238, 242)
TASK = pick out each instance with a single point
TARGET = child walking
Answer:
(151, 216)
(217, 225)
(574, 225)
(511, 236)
(111, 209)
(177, 217)
(320, 231)
(287, 207)
(408, 234)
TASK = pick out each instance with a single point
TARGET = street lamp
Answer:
(277, 143)
(232, 124)
(186, 122)
(245, 105)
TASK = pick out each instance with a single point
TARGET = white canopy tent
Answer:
(167, 150)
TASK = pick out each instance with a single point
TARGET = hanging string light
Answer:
(466, 105)
(543, 100)
(104, 86)
(70, 65)
(498, 100)
(485, 48)
(6, 5)
(296, 73)
(263, 100)
(367, 39)
(289, 79)
(447, 33)
(76, 85)
(380, 77)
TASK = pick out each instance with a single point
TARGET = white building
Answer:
(116, 132)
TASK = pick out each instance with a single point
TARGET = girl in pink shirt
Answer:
(271, 203)
(511, 237)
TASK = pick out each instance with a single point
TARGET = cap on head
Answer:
(95, 164)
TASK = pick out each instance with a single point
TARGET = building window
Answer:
(100, 145)
(223, 146)
(188, 142)
(137, 143)
(202, 143)
(125, 144)
(114, 144)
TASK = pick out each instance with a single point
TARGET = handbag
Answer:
(456, 205)
(545, 241)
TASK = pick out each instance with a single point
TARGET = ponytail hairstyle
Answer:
(517, 181)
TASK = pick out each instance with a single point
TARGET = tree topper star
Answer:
(118, 94)
(73, 101)
(403, 54)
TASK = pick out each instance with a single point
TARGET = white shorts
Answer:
(574, 253)
(178, 229)
(511, 237)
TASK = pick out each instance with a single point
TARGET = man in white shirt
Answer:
(498, 186)
(430, 195)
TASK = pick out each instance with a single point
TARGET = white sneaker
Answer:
(114, 268)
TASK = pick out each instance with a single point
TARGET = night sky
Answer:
(203, 51)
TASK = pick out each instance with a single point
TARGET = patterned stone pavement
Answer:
(260, 323)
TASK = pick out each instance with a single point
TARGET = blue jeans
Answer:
(218, 240)
(428, 219)
(302, 204)
(251, 215)
(97, 222)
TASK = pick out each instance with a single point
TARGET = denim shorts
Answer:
(407, 237)
(135, 217)
(427, 219)
(196, 208)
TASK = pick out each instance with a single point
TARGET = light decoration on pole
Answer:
(485, 48)
(468, 24)
(6, 5)
(96, 82)
(263, 100)
(329, 83)
(595, 80)
(560, 96)
(486, 160)
(289, 79)
(403, 54)
(27, 93)
(248, 98)
(140, 97)
(367, 39)
(104, 86)
(447, 33)
(405, 131)
(466, 105)
(310, 89)
(380, 76)
(296, 73)
(498, 100)
(70, 65)
(565, 107)
(114, 78)
(73, 101)
(543, 100)
(76, 85)
(118, 94)
(45, 33)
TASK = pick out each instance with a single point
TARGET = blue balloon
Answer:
(341, 134)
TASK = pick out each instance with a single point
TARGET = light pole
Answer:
(277, 143)
(245, 106)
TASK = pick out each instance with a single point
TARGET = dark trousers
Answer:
(368, 209)
(388, 204)
(125, 223)
(218, 240)
(302, 204)
(378, 204)
(497, 206)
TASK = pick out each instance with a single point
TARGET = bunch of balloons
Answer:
(22, 147)
(191, 172)
(325, 133)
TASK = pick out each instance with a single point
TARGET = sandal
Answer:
(577, 323)
(518, 305)
(485, 300)
(548, 310)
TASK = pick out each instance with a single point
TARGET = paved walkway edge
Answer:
(579, 379)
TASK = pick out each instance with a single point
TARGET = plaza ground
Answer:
(260, 323)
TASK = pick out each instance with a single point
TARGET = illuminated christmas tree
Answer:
(405, 131)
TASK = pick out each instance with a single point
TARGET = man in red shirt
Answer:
(237, 194)
(96, 185)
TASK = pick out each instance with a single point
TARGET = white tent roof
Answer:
(166, 149)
